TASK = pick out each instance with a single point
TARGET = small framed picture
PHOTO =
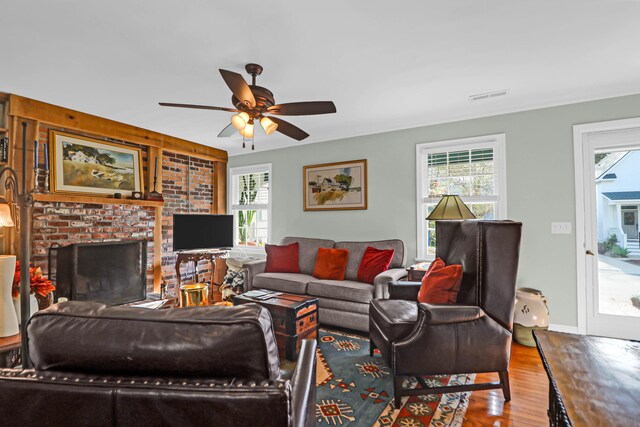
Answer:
(335, 186)
(90, 166)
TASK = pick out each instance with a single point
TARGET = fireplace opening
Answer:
(108, 272)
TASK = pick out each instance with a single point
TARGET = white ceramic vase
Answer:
(531, 313)
(33, 307)
(8, 319)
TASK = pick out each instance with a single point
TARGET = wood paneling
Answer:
(69, 119)
(529, 395)
(220, 188)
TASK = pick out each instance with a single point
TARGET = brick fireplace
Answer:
(192, 179)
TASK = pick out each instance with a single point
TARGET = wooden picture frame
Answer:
(83, 165)
(335, 186)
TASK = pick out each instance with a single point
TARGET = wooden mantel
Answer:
(42, 112)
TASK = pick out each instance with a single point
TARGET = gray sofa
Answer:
(343, 303)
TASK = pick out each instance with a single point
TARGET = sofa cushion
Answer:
(282, 259)
(347, 290)
(441, 284)
(356, 251)
(331, 264)
(294, 283)
(219, 342)
(374, 261)
(344, 306)
(307, 251)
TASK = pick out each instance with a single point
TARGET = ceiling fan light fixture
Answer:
(268, 125)
(240, 120)
(247, 132)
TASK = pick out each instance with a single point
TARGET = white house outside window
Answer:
(250, 201)
(472, 168)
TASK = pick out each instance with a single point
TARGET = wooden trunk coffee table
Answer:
(295, 317)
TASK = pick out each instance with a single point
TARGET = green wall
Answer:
(540, 187)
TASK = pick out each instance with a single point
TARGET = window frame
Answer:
(231, 189)
(496, 142)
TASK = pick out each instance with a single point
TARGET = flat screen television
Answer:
(197, 231)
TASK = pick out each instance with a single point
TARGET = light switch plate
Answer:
(560, 228)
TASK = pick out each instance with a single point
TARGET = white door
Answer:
(608, 281)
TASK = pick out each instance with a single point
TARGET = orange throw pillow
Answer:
(331, 264)
(441, 283)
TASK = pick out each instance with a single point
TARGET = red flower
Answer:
(39, 284)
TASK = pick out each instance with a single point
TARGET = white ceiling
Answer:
(386, 64)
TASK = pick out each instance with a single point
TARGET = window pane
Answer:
(251, 188)
(251, 227)
(461, 172)
(483, 210)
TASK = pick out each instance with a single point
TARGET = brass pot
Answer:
(194, 295)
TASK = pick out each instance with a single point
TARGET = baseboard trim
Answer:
(563, 328)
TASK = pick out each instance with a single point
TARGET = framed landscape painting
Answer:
(89, 166)
(335, 186)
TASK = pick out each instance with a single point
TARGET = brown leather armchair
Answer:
(473, 336)
(117, 366)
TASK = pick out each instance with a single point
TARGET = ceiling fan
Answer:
(253, 102)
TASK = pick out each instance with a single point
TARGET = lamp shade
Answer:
(268, 125)
(247, 132)
(240, 120)
(450, 207)
(5, 216)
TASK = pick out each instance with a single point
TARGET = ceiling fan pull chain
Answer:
(242, 141)
(252, 145)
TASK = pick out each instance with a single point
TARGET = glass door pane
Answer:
(617, 205)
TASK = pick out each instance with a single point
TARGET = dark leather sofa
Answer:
(117, 366)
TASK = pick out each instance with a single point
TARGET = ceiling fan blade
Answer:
(227, 131)
(303, 108)
(289, 130)
(239, 87)
(201, 107)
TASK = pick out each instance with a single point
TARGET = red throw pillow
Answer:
(331, 264)
(374, 261)
(441, 283)
(282, 259)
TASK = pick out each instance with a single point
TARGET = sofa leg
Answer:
(504, 380)
(397, 391)
(372, 346)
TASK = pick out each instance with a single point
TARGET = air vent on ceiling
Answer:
(488, 95)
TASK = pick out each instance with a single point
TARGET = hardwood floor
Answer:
(529, 394)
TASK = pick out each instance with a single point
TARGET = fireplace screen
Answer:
(108, 272)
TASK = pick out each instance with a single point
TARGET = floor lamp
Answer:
(23, 201)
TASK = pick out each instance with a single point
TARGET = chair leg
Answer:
(504, 380)
(397, 391)
(372, 346)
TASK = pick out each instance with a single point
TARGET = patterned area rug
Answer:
(357, 390)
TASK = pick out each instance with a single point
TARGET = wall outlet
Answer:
(560, 228)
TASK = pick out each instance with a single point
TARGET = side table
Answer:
(194, 257)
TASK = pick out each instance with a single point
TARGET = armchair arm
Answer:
(404, 290)
(303, 400)
(250, 269)
(445, 314)
(381, 282)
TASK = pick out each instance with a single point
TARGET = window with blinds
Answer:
(470, 168)
(250, 194)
